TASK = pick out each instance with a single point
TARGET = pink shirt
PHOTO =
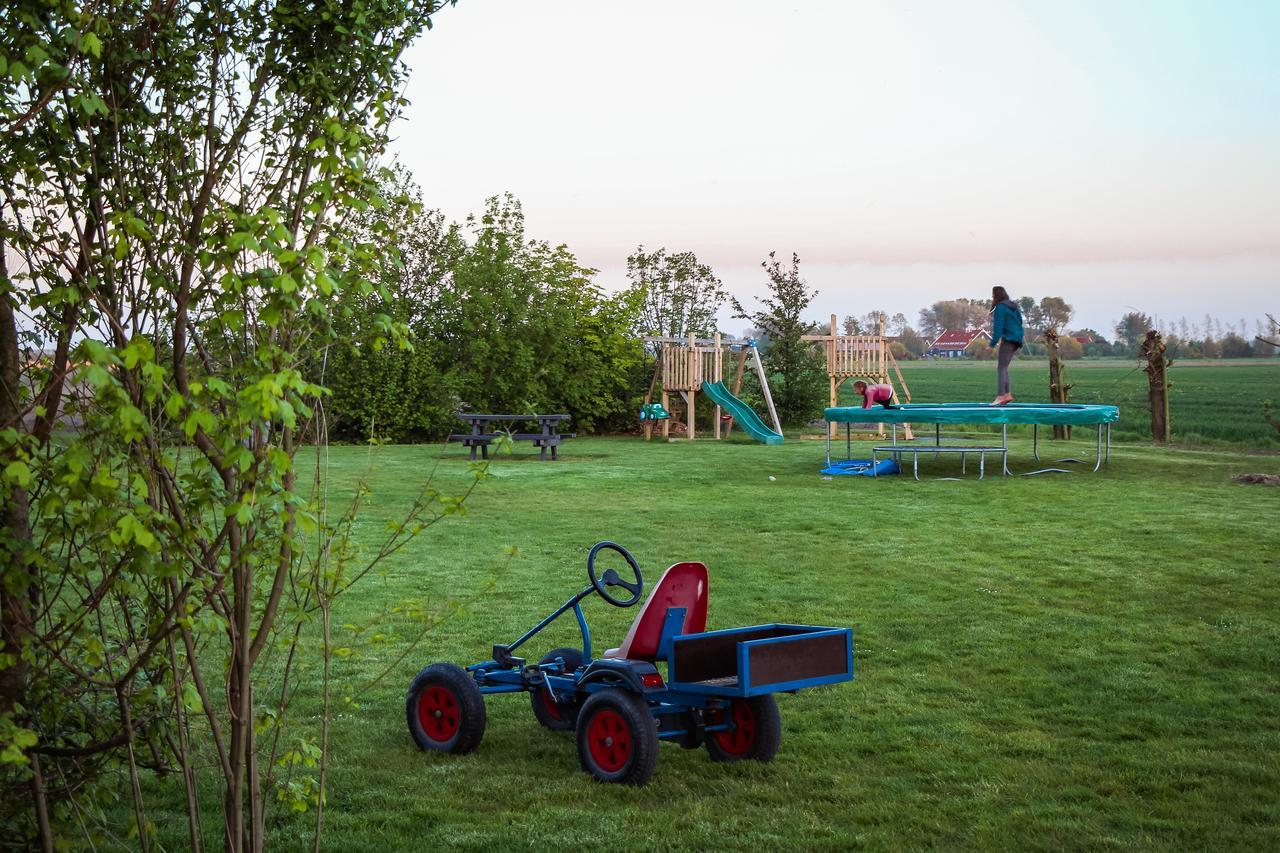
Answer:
(876, 394)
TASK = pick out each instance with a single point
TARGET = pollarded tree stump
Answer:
(1059, 390)
(1157, 369)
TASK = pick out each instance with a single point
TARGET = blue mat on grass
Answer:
(860, 468)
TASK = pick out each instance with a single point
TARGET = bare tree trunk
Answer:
(1152, 349)
(1059, 390)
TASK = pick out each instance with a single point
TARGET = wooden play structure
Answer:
(685, 364)
(865, 357)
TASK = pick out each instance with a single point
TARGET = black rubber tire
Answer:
(447, 694)
(558, 716)
(761, 713)
(618, 712)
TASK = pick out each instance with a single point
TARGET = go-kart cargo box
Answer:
(760, 659)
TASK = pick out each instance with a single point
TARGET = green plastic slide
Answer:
(742, 414)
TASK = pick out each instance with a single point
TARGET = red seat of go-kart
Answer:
(682, 585)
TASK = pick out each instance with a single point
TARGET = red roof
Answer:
(954, 340)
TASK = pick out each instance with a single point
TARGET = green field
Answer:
(1210, 402)
(1083, 662)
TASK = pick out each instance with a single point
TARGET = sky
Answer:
(1122, 155)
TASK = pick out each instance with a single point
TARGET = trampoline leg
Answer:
(1108, 442)
(1035, 441)
(873, 462)
(1098, 463)
(962, 456)
(848, 442)
(982, 464)
(828, 445)
(1004, 451)
(915, 464)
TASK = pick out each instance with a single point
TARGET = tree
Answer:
(1270, 345)
(1234, 346)
(1054, 313)
(801, 371)
(173, 185)
(913, 342)
(681, 295)
(1132, 327)
(956, 314)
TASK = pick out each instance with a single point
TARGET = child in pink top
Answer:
(881, 393)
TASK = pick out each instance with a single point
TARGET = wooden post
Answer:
(764, 386)
(882, 365)
(715, 363)
(691, 396)
(666, 404)
(737, 385)
(1059, 391)
(1152, 349)
(648, 398)
(832, 343)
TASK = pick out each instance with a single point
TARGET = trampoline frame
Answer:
(896, 450)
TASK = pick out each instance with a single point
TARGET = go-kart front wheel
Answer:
(755, 730)
(617, 737)
(445, 709)
(558, 712)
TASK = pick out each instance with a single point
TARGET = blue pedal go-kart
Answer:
(717, 690)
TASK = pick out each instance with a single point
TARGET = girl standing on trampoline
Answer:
(1006, 332)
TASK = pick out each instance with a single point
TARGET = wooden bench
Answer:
(481, 436)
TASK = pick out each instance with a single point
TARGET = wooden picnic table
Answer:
(482, 432)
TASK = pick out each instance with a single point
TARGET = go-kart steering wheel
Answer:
(611, 578)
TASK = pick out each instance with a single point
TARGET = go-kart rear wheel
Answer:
(755, 733)
(558, 712)
(617, 737)
(445, 709)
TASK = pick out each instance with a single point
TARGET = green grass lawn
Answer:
(1086, 661)
(1211, 402)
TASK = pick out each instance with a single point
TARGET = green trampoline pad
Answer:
(976, 413)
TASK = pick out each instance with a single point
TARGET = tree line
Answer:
(497, 320)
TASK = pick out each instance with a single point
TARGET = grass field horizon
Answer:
(1080, 662)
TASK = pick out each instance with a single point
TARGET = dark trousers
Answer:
(1003, 357)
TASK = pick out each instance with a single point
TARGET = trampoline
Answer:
(1032, 414)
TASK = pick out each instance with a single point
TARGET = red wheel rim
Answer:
(438, 713)
(738, 739)
(609, 740)
(552, 707)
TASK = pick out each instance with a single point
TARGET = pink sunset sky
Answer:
(1120, 155)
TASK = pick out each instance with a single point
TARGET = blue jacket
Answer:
(1006, 322)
